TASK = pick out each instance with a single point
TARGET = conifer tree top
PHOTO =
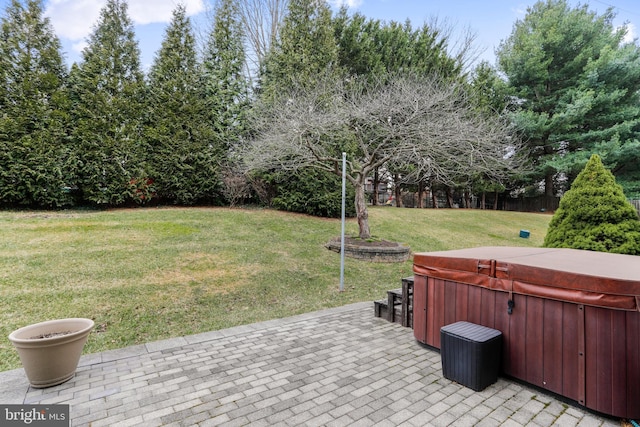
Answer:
(595, 174)
(595, 215)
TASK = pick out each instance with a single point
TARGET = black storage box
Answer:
(470, 354)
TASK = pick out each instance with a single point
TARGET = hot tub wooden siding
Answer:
(564, 335)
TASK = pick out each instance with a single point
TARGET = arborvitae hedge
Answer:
(34, 152)
(595, 215)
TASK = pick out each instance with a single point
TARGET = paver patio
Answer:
(334, 367)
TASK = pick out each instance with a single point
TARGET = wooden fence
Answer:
(542, 204)
(531, 204)
(519, 204)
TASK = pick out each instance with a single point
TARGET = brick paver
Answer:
(335, 367)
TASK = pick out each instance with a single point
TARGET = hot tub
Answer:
(572, 326)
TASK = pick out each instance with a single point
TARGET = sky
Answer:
(490, 20)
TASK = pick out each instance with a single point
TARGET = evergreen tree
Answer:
(108, 96)
(488, 91)
(178, 132)
(595, 215)
(33, 110)
(369, 48)
(225, 84)
(358, 41)
(305, 52)
(226, 91)
(303, 56)
(578, 87)
(489, 94)
(604, 118)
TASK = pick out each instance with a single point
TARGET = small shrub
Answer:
(235, 187)
(595, 215)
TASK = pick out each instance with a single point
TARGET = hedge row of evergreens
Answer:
(105, 134)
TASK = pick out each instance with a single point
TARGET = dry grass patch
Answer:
(219, 273)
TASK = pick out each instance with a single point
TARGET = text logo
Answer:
(34, 415)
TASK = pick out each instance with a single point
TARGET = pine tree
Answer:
(595, 215)
(178, 131)
(33, 106)
(108, 94)
(604, 118)
(578, 87)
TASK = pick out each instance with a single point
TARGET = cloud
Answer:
(146, 12)
(74, 19)
(351, 4)
(79, 46)
(631, 34)
(520, 10)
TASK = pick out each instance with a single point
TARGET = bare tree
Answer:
(461, 43)
(261, 20)
(419, 125)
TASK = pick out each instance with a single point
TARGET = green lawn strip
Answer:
(149, 274)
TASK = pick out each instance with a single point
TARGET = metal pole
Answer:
(344, 194)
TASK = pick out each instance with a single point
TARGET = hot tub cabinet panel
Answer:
(574, 327)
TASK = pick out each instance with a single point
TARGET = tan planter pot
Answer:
(51, 360)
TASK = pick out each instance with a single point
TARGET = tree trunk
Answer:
(376, 182)
(484, 200)
(495, 201)
(421, 195)
(362, 213)
(398, 191)
(548, 185)
(549, 173)
(434, 199)
(449, 197)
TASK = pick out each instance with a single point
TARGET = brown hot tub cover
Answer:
(570, 319)
(592, 278)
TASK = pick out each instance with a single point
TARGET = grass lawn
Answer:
(149, 274)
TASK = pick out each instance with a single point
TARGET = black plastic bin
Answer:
(470, 354)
